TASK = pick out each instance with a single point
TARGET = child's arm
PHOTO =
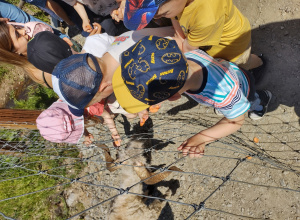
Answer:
(186, 47)
(194, 146)
(112, 127)
(4, 19)
(118, 14)
(88, 137)
(59, 11)
(97, 29)
(181, 40)
(84, 17)
(143, 115)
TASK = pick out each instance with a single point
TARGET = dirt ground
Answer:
(226, 183)
(276, 34)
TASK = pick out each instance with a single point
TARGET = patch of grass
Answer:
(3, 71)
(45, 204)
(38, 97)
(33, 206)
(32, 10)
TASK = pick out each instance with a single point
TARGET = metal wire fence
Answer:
(237, 178)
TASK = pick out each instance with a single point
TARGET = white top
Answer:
(99, 7)
(114, 105)
(127, 39)
(98, 44)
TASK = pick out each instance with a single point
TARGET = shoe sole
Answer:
(267, 105)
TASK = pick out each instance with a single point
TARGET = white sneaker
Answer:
(265, 98)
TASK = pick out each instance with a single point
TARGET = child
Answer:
(154, 70)
(80, 82)
(215, 26)
(45, 50)
(107, 65)
(54, 8)
(101, 8)
(57, 124)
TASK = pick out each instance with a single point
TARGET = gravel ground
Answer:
(229, 183)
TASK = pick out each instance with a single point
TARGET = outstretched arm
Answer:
(194, 146)
(79, 8)
(112, 127)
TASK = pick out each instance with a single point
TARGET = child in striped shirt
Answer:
(154, 70)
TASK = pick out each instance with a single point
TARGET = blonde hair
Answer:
(8, 56)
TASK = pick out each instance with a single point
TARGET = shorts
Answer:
(244, 60)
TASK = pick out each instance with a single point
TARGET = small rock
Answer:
(285, 172)
(71, 199)
(229, 205)
(282, 182)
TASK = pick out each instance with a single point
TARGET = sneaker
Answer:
(265, 98)
(259, 72)
(217, 112)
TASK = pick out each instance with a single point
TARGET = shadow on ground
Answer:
(280, 44)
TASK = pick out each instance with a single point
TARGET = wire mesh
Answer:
(236, 179)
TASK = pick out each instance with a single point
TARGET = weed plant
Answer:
(38, 97)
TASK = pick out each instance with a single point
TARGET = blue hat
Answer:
(75, 82)
(138, 13)
(151, 71)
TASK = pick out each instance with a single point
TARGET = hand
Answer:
(117, 140)
(68, 41)
(143, 115)
(5, 19)
(97, 29)
(86, 26)
(118, 15)
(194, 146)
(88, 139)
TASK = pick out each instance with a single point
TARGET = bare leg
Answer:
(255, 61)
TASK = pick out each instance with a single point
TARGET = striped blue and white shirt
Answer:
(224, 87)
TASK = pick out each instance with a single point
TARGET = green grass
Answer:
(47, 204)
(34, 206)
(17, 177)
(33, 10)
(39, 205)
(3, 71)
(38, 97)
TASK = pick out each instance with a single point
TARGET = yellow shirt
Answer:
(216, 23)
